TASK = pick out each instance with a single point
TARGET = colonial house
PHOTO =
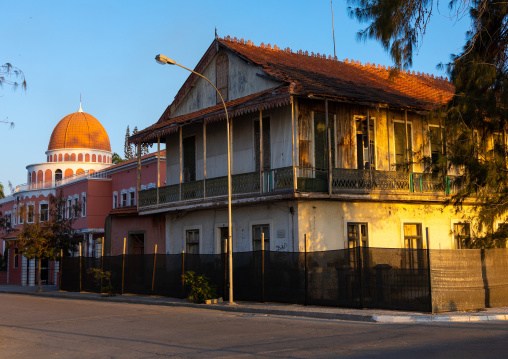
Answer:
(326, 155)
(79, 166)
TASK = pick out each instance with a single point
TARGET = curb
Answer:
(384, 319)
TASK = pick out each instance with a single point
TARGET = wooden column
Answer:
(261, 151)
(388, 138)
(329, 148)
(139, 169)
(158, 166)
(204, 159)
(181, 164)
(406, 136)
(293, 139)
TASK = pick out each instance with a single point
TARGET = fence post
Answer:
(153, 272)
(183, 274)
(123, 264)
(262, 267)
(306, 271)
(60, 270)
(80, 266)
(428, 268)
(360, 272)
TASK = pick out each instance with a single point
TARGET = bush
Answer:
(200, 288)
(99, 276)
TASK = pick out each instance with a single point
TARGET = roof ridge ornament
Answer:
(80, 109)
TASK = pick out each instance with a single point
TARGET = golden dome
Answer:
(79, 130)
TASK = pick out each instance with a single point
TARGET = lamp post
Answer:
(163, 60)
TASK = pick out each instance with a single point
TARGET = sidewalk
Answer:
(363, 315)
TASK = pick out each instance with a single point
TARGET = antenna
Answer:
(333, 31)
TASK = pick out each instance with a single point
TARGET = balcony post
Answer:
(181, 164)
(139, 170)
(204, 159)
(329, 149)
(158, 167)
(293, 134)
(260, 151)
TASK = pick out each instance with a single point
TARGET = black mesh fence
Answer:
(361, 278)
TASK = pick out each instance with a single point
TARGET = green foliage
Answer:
(200, 288)
(2, 195)
(116, 159)
(475, 121)
(103, 279)
(127, 148)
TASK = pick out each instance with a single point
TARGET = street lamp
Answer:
(163, 60)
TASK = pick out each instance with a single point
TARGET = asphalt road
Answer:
(38, 327)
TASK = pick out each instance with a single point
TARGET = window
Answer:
(8, 219)
(257, 236)
(403, 148)
(58, 175)
(63, 209)
(16, 257)
(132, 197)
(44, 212)
(365, 144)
(76, 207)
(462, 235)
(266, 145)
(189, 159)
(192, 241)
(124, 199)
(83, 205)
(435, 143)
(21, 214)
(222, 76)
(69, 208)
(413, 243)
(30, 212)
(357, 236)
(14, 215)
(115, 200)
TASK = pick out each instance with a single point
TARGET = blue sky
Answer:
(104, 50)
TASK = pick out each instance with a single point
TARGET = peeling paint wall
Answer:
(325, 223)
(277, 216)
(243, 81)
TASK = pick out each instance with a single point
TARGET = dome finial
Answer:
(80, 109)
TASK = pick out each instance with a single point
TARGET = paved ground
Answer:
(49, 327)
(364, 315)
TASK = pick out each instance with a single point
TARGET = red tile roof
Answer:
(318, 75)
(307, 75)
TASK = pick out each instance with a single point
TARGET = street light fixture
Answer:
(163, 60)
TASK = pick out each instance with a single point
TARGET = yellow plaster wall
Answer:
(324, 222)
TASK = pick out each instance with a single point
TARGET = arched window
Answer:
(222, 76)
(60, 157)
(54, 158)
(48, 159)
(73, 157)
(58, 175)
(79, 171)
(91, 171)
(68, 172)
(47, 178)
(40, 176)
(66, 157)
(94, 159)
(87, 158)
(34, 178)
(99, 158)
(80, 157)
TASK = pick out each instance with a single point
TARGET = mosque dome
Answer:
(79, 130)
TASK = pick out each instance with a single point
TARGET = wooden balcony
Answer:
(280, 180)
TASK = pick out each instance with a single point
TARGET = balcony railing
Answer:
(308, 180)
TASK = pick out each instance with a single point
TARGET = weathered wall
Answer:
(278, 216)
(469, 279)
(325, 223)
(243, 81)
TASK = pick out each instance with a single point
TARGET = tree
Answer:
(116, 159)
(12, 76)
(127, 148)
(46, 238)
(2, 195)
(475, 120)
(144, 146)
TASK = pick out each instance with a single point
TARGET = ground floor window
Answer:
(44, 212)
(413, 243)
(462, 235)
(192, 241)
(357, 236)
(257, 237)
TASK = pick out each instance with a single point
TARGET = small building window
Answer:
(222, 76)
(257, 236)
(357, 237)
(124, 199)
(30, 213)
(132, 198)
(44, 212)
(83, 205)
(58, 175)
(192, 241)
(76, 207)
(413, 243)
(69, 208)
(403, 146)
(115, 200)
(462, 235)
(21, 215)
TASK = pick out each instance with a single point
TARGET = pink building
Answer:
(79, 165)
